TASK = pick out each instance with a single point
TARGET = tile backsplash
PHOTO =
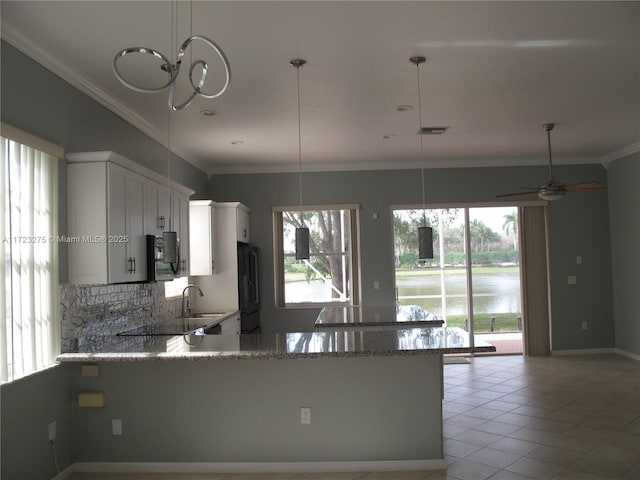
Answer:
(93, 312)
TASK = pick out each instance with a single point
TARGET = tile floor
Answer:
(518, 418)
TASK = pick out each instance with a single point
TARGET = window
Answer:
(173, 288)
(29, 299)
(331, 275)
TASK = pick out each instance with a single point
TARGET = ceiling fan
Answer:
(554, 190)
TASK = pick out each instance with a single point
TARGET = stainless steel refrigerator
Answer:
(249, 287)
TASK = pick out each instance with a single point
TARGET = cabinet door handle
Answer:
(134, 264)
(130, 261)
(161, 222)
(244, 233)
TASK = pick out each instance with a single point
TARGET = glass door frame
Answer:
(466, 206)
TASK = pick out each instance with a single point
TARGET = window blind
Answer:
(29, 302)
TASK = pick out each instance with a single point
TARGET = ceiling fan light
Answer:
(551, 195)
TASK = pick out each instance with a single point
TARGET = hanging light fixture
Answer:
(425, 233)
(170, 241)
(173, 70)
(302, 232)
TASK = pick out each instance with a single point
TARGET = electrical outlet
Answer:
(572, 279)
(52, 431)
(116, 426)
(305, 415)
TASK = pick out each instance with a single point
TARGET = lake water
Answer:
(492, 292)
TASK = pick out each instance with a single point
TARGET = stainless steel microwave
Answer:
(158, 268)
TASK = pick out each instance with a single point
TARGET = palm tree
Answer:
(510, 226)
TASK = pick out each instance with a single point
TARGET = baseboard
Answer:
(66, 473)
(624, 353)
(597, 351)
(260, 467)
(584, 351)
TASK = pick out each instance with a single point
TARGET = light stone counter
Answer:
(400, 316)
(376, 397)
(323, 343)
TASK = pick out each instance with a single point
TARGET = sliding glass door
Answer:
(473, 281)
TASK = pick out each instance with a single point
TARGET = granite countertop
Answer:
(398, 316)
(324, 343)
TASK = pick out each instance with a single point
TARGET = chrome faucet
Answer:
(187, 310)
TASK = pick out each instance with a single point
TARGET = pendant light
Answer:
(425, 233)
(302, 232)
(170, 241)
(173, 69)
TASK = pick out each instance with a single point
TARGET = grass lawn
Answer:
(505, 322)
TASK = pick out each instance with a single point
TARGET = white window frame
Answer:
(279, 255)
(29, 297)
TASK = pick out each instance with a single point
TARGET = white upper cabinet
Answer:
(113, 204)
(106, 223)
(157, 207)
(202, 218)
(180, 224)
(242, 223)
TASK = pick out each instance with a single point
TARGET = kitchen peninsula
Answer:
(374, 399)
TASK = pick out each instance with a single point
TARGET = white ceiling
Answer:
(495, 72)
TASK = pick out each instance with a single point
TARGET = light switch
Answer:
(579, 260)
(572, 280)
(376, 285)
(305, 415)
(116, 426)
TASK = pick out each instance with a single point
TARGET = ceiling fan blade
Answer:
(533, 192)
(586, 187)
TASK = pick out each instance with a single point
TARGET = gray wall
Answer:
(27, 408)
(624, 208)
(41, 103)
(578, 224)
(249, 410)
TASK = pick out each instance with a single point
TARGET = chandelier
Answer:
(173, 70)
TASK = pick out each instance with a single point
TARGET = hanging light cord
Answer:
(548, 127)
(299, 138)
(417, 61)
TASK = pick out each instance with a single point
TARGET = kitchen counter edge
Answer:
(255, 355)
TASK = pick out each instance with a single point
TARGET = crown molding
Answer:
(620, 153)
(395, 165)
(13, 36)
(44, 58)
